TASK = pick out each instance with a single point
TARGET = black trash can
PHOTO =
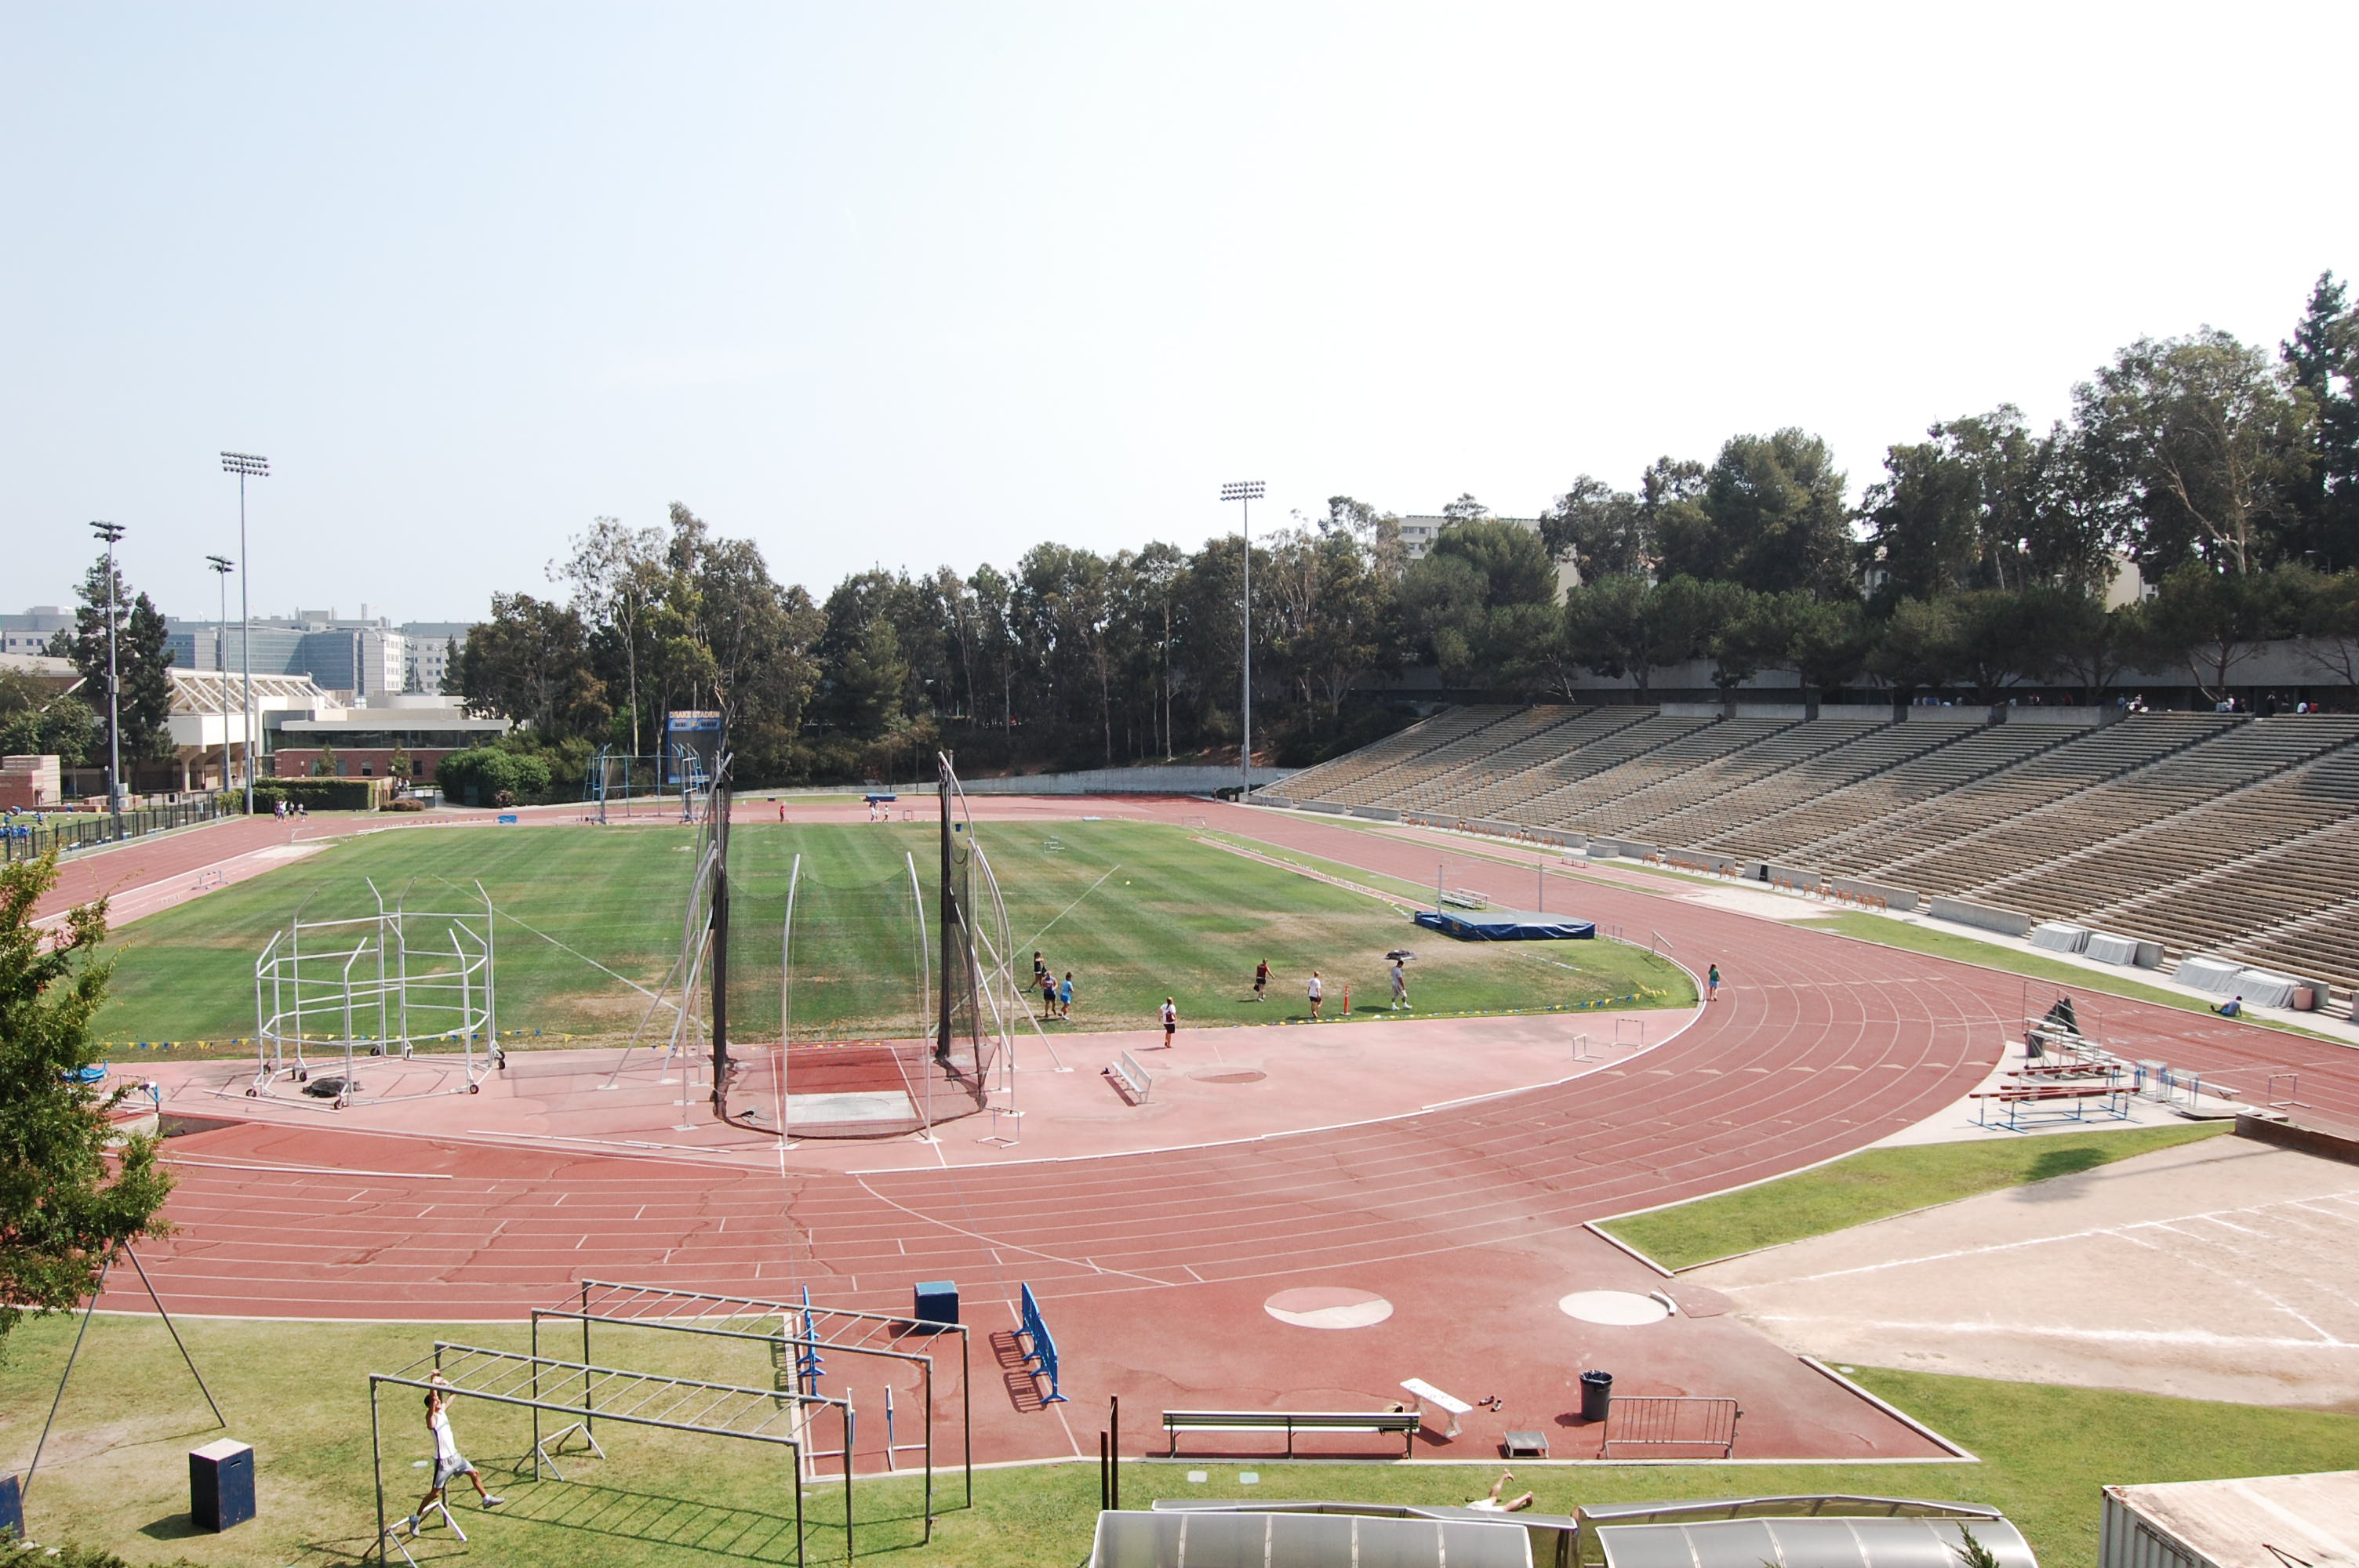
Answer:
(1596, 1395)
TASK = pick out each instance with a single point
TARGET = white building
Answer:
(429, 644)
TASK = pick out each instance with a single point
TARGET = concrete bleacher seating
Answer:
(1544, 807)
(1539, 765)
(1331, 779)
(1849, 761)
(2070, 856)
(1595, 797)
(1435, 775)
(1861, 840)
(2084, 757)
(1634, 813)
(2196, 832)
(1866, 794)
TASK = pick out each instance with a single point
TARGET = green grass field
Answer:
(1136, 911)
(114, 1475)
(1877, 1184)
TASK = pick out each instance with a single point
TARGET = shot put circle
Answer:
(1614, 1309)
(1328, 1306)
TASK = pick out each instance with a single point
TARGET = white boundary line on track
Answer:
(201, 1164)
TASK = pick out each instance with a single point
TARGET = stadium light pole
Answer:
(245, 465)
(110, 532)
(221, 569)
(1245, 492)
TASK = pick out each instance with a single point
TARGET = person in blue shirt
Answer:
(2233, 1007)
(1065, 995)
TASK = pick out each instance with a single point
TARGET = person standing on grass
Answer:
(1400, 986)
(1170, 1022)
(1261, 980)
(1065, 997)
(1711, 984)
(449, 1463)
(1047, 993)
(1318, 995)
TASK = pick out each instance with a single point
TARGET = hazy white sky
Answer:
(925, 283)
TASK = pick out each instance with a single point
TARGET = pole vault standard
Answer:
(952, 917)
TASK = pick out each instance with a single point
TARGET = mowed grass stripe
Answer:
(1136, 911)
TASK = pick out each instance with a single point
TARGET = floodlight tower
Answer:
(1245, 492)
(110, 532)
(245, 465)
(221, 569)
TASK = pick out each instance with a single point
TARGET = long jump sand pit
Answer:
(2221, 1269)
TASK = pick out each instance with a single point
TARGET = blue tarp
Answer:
(1505, 925)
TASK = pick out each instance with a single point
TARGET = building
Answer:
(1418, 535)
(30, 631)
(431, 645)
(356, 660)
(361, 741)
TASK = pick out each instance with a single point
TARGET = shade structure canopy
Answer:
(1820, 1542)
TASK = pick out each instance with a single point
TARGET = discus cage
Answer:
(339, 1002)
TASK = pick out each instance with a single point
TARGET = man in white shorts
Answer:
(1492, 1504)
(449, 1463)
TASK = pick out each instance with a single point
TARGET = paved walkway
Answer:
(2224, 1270)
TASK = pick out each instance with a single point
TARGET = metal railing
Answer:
(27, 836)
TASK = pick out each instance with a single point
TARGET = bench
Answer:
(1131, 1078)
(1449, 1404)
(1466, 898)
(1405, 1422)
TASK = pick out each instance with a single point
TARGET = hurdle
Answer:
(1043, 1349)
(208, 879)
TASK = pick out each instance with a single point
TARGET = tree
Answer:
(401, 765)
(2328, 608)
(1768, 514)
(1470, 599)
(2207, 437)
(1918, 645)
(1600, 530)
(616, 573)
(2323, 359)
(1621, 626)
(2092, 643)
(142, 661)
(2210, 620)
(35, 721)
(492, 775)
(70, 1195)
(325, 766)
(531, 663)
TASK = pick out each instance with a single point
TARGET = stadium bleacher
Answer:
(2198, 832)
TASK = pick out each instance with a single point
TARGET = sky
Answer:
(913, 285)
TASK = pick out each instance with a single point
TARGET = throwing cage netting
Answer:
(859, 1001)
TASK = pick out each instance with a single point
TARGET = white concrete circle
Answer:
(1619, 1309)
(1328, 1306)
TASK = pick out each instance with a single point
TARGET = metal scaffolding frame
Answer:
(822, 1328)
(508, 1378)
(372, 993)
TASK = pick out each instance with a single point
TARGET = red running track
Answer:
(1154, 1265)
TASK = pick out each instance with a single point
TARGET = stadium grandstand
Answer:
(2226, 836)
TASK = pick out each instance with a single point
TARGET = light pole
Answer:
(221, 569)
(245, 465)
(110, 532)
(1245, 492)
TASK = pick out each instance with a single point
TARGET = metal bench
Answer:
(1405, 1422)
(1133, 1080)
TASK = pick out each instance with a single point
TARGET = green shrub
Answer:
(321, 794)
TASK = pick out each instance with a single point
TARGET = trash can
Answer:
(1596, 1395)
